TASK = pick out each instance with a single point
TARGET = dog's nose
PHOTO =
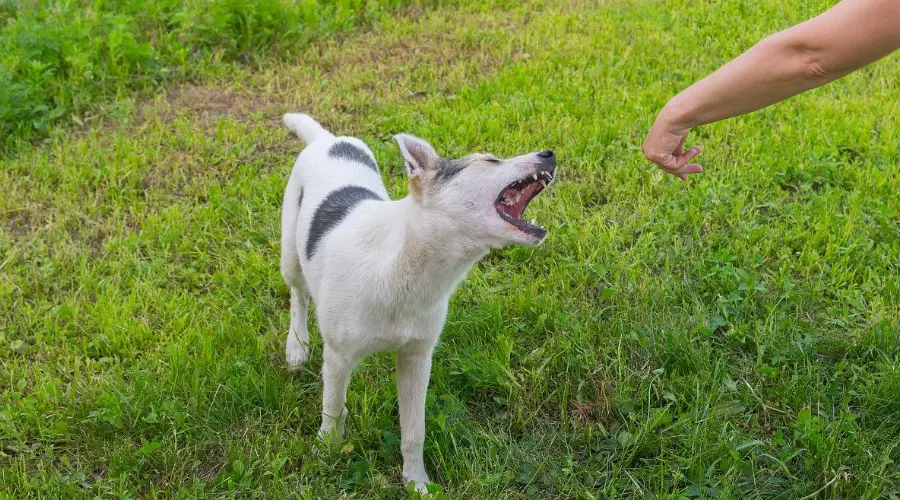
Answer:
(546, 154)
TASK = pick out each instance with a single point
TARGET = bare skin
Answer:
(849, 36)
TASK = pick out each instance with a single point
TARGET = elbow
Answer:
(805, 60)
(813, 67)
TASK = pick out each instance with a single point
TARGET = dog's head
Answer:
(484, 196)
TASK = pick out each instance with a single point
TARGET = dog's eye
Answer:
(491, 159)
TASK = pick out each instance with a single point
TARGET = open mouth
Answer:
(514, 198)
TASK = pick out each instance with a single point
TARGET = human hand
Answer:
(665, 147)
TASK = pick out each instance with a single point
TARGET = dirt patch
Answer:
(182, 173)
(210, 104)
(344, 77)
(339, 81)
(17, 221)
(428, 47)
(597, 408)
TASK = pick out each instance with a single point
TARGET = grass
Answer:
(60, 62)
(735, 336)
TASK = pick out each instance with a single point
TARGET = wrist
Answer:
(674, 115)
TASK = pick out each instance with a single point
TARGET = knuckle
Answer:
(653, 156)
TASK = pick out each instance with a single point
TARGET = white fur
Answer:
(382, 278)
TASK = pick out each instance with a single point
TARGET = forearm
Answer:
(768, 73)
(854, 33)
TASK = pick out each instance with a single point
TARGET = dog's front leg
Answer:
(336, 371)
(413, 371)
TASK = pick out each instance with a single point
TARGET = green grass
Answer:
(61, 62)
(734, 336)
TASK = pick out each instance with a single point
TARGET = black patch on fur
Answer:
(300, 199)
(346, 151)
(448, 170)
(333, 209)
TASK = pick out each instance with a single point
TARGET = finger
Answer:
(686, 171)
(680, 165)
(668, 163)
(683, 159)
(679, 149)
(692, 168)
(674, 163)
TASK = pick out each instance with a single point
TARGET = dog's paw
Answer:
(418, 483)
(328, 441)
(296, 355)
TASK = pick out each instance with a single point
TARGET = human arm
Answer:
(852, 34)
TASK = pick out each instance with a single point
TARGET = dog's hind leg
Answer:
(296, 349)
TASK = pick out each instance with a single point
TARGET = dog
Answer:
(382, 271)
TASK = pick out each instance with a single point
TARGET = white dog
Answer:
(382, 271)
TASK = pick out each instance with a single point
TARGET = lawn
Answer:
(734, 336)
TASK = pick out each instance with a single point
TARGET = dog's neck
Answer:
(433, 255)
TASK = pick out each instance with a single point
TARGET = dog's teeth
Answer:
(543, 183)
(534, 177)
(533, 222)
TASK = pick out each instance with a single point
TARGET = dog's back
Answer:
(331, 177)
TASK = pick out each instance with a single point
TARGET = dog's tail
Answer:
(307, 129)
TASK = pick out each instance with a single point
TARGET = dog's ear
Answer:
(418, 154)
